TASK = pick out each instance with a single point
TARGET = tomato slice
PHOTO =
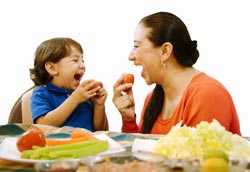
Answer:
(32, 137)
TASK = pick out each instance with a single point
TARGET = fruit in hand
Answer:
(32, 137)
(128, 78)
(98, 84)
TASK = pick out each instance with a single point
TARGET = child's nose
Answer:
(82, 66)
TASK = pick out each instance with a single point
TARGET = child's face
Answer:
(69, 70)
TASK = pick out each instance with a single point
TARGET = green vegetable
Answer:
(73, 150)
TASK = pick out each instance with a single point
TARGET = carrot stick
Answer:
(77, 133)
(54, 142)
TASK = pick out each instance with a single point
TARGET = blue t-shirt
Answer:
(48, 97)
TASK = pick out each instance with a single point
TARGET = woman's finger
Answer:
(119, 81)
(123, 102)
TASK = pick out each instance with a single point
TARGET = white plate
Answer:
(9, 151)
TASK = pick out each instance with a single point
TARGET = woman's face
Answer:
(146, 55)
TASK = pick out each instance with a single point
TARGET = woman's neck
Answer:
(176, 80)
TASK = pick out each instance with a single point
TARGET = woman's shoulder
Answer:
(204, 80)
(206, 84)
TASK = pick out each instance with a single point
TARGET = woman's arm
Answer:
(124, 102)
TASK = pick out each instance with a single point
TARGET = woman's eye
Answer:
(136, 46)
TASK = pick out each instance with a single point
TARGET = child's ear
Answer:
(51, 68)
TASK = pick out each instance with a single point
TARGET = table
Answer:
(17, 129)
(11, 166)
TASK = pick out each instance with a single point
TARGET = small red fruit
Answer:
(32, 137)
(128, 78)
(98, 84)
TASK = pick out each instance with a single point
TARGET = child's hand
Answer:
(100, 97)
(86, 90)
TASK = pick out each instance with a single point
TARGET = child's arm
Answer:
(58, 116)
(99, 118)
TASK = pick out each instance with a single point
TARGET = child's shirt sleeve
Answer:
(40, 105)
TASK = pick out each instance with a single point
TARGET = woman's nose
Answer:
(131, 56)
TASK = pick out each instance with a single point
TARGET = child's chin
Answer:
(76, 85)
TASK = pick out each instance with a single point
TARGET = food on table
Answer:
(215, 153)
(132, 166)
(77, 135)
(215, 160)
(57, 166)
(187, 142)
(32, 137)
(54, 142)
(73, 150)
(34, 145)
(215, 165)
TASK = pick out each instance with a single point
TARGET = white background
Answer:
(105, 29)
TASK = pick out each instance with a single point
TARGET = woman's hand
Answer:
(123, 99)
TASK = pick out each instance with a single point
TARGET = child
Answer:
(59, 98)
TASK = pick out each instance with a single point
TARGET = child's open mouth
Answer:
(78, 77)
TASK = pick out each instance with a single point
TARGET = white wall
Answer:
(105, 30)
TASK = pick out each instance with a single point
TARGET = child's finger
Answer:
(102, 92)
(87, 81)
(89, 85)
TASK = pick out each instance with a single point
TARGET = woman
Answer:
(164, 49)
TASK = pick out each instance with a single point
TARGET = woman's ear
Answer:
(166, 51)
(51, 68)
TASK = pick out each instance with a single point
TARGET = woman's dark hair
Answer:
(153, 109)
(166, 27)
(52, 50)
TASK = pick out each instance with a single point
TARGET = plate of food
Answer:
(34, 146)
